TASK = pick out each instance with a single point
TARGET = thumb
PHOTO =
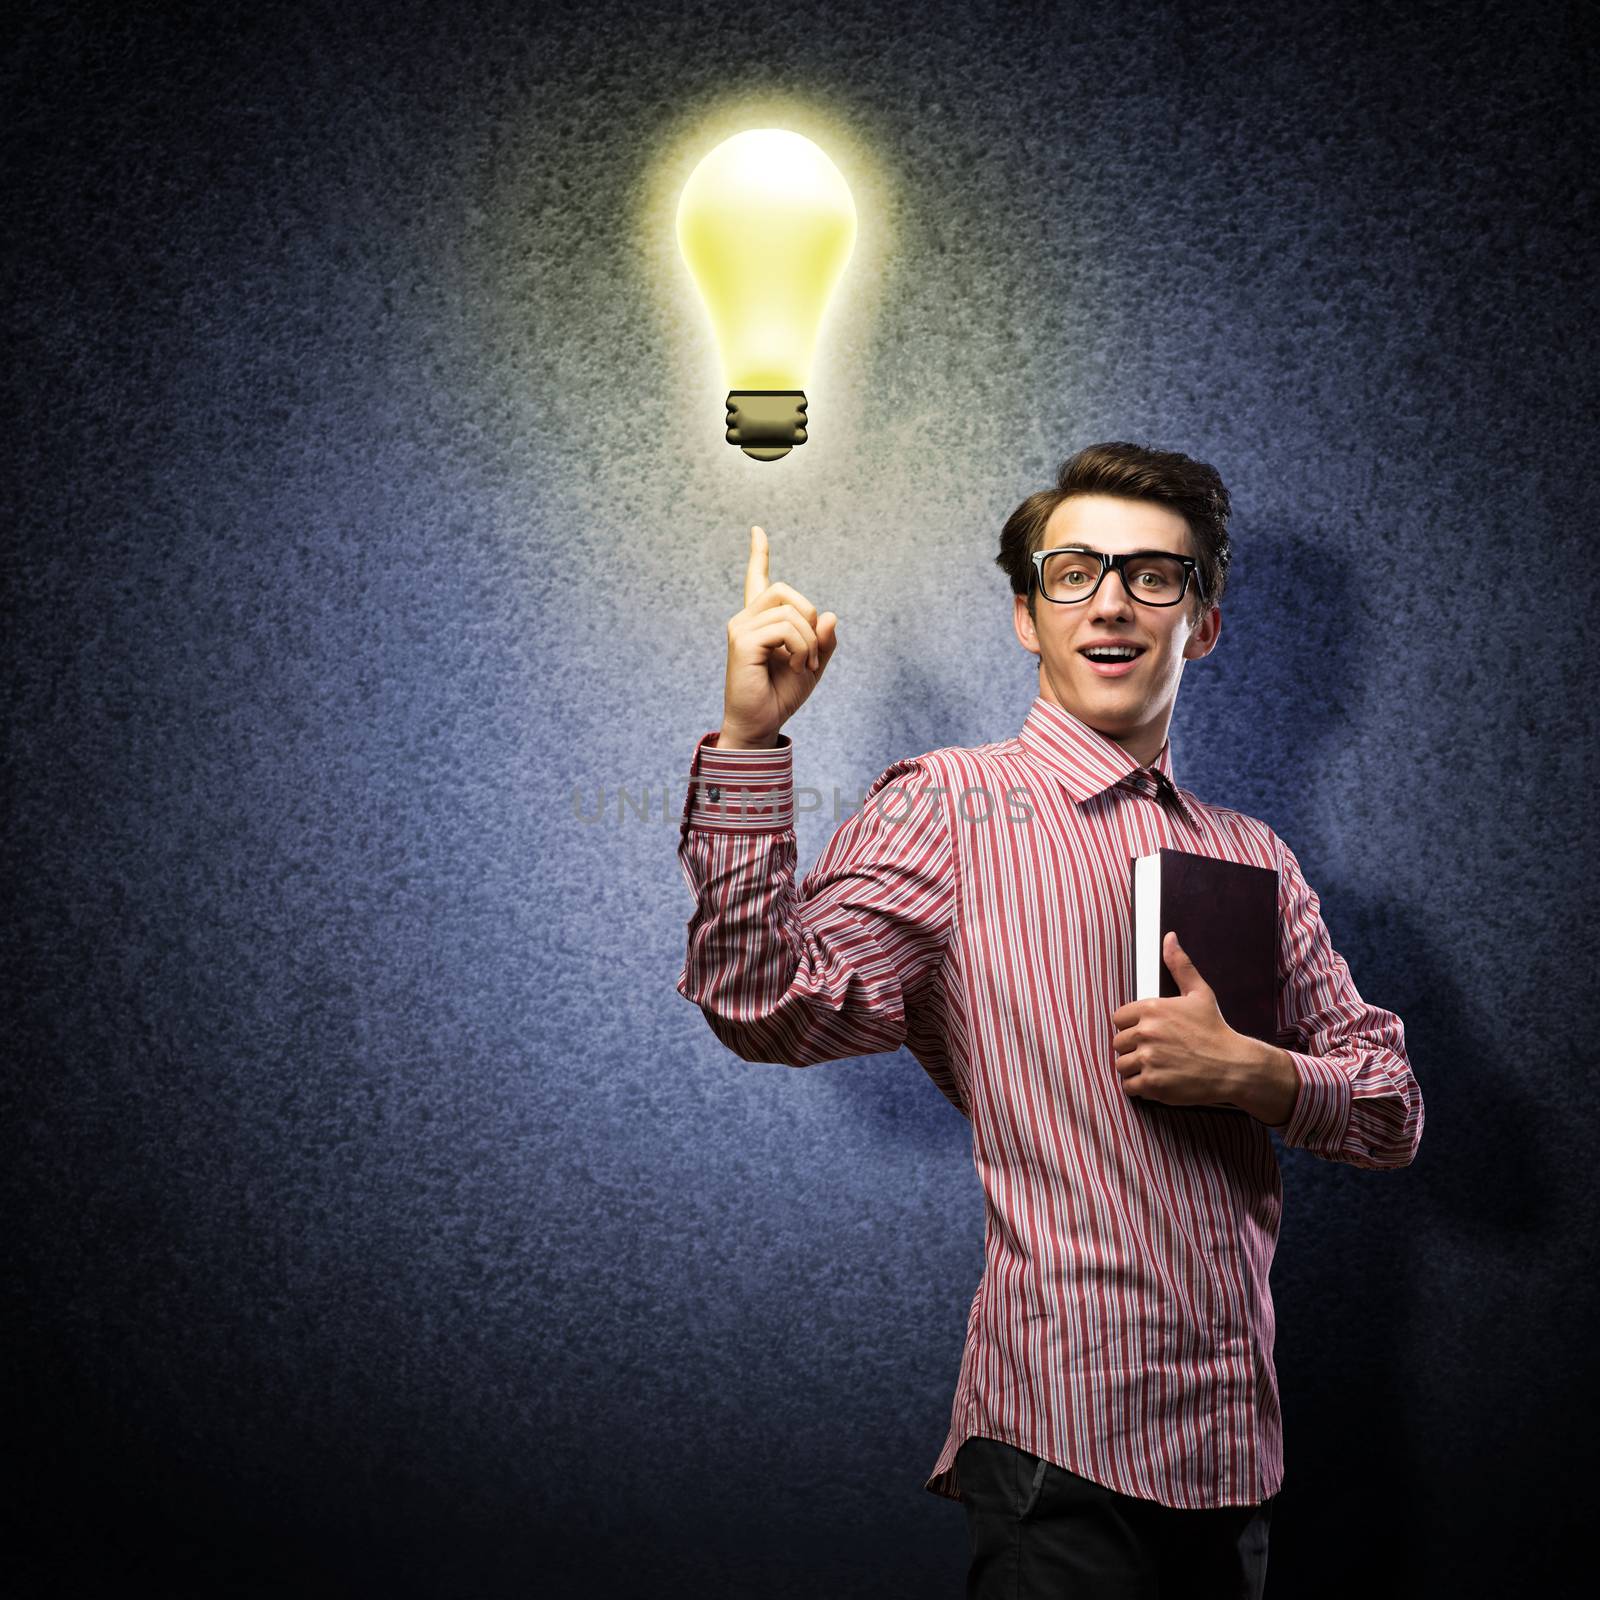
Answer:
(827, 638)
(1180, 966)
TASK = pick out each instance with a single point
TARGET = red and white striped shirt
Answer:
(977, 910)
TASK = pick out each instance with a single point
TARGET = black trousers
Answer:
(1038, 1530)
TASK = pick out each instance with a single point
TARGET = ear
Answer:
(1022, 621)
(1204, 638)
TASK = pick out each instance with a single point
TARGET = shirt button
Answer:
(714, 795)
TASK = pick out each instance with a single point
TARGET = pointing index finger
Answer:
(755, 577)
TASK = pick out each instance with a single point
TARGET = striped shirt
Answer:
(977, 909)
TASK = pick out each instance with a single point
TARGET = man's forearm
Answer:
(1267, 1084)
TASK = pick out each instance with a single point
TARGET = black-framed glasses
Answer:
(1071, 574)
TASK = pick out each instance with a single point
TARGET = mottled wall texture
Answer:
(381, 1221)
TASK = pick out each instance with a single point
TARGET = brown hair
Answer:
(1130, 472)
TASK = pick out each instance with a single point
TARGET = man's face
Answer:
(1131, 704)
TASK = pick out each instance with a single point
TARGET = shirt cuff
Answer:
(1322, 1107)
(740, 791)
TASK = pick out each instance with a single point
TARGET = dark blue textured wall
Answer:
(383, 1221)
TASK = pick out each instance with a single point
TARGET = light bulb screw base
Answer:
(766, 423)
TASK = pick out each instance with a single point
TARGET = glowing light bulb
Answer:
(766, 225)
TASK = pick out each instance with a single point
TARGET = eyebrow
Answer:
(1090, 550)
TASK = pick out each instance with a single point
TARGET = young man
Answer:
(1116, 1427)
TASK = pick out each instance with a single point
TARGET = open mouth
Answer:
(1109, 662)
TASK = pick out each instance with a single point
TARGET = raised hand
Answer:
(778, 649)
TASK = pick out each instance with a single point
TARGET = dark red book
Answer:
(1225, 915)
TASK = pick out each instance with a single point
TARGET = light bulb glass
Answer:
(766, 225)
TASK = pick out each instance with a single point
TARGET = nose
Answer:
(1111, 599)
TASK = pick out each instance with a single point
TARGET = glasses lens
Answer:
(1069, 574)
(1153, 580)
(1157, 580)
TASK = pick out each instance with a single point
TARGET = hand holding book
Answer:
(1181, 1051)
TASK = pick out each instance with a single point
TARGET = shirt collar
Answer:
(1086, 762)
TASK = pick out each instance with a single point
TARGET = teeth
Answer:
(1111, 655)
